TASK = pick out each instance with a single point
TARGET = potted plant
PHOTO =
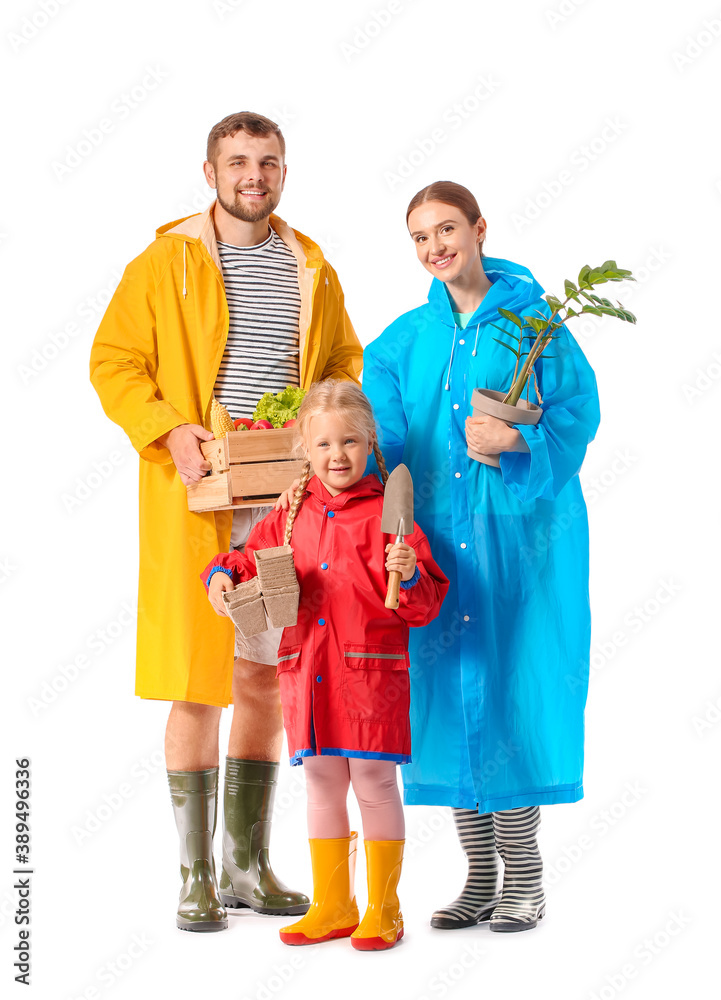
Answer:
(540, 330)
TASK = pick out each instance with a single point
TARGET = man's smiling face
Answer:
(248, 174)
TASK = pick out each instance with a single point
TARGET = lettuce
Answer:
(278, 409)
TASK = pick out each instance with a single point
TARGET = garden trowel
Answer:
(397, 520)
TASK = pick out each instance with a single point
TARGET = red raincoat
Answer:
(343, 669)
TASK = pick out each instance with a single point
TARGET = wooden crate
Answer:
(248, 469)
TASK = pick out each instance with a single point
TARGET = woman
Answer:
(499, 679)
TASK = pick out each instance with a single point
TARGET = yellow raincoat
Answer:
(154, 363)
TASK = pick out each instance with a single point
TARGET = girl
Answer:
(343, 669)
(502, 733)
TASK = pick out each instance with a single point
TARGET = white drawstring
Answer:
(450, 360)
(185, 271)
(476, 343)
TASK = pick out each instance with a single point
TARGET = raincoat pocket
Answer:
(374, 684)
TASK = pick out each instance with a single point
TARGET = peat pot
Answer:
(487, 402)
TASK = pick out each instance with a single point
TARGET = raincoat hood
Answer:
(513, 287)
(367, 487)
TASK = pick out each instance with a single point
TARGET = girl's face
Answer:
(446, 242)
(337, 451)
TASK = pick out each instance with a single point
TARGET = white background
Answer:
(623, 98)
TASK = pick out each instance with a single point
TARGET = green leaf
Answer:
(508, 333)
(507, 346)
(511, 317)
(592, 309)
(538, 325)
(583, 276)
(554, 303)
(570, 289)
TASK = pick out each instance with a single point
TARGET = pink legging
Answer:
(376, 789)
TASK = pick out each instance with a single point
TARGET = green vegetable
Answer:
(278, 409)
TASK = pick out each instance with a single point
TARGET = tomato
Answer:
(290, 423)
(262, 425)
(245, 421)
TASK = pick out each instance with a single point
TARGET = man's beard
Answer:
(249, 213)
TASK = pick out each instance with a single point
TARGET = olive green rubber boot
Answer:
(195, 802)
(247, 878)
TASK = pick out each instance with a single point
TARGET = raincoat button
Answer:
(458, 475)
(455, 406)
(466, 618)
(321, 621)
(324, 565)
(331, 513)
(319, 678)
(461, 342)
(463, 545)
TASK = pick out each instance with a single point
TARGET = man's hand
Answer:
(490, 436)
(183, 443)
(284, 500)
(219, 582)
(401, 559)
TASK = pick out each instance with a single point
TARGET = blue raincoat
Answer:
(499, 679)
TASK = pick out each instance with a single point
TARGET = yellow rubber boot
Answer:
(382, 925)
(334, 911)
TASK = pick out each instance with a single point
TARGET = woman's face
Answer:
(446, 242)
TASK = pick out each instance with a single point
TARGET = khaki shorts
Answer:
(263, 647)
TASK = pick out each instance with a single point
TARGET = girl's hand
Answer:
(219, 583)
(284, 500)
(401, 559)
(490, 436)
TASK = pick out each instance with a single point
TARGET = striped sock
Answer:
(522, 900)
(478, 897)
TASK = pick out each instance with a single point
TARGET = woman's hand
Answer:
(490, 436)
(219, 582)
(401, 559)
(284, 500)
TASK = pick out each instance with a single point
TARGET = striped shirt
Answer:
(262, 352)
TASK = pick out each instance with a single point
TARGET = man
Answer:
(230, 303)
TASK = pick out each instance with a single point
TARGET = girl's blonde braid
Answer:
(297, 501)
(380, 462)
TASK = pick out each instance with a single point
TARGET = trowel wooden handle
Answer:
(394, 586)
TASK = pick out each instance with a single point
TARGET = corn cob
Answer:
(220, 422)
